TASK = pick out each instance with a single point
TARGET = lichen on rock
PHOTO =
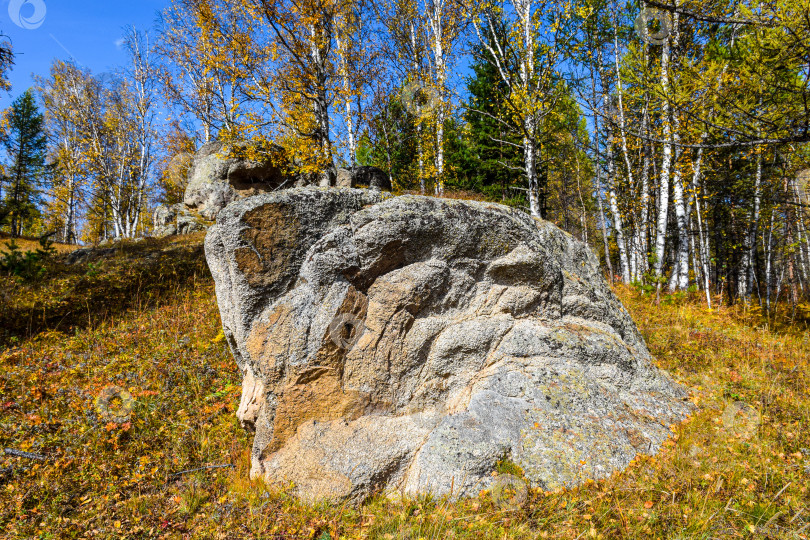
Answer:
(483, 334)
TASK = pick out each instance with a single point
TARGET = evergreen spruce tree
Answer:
(460, 163)
(392, 143)
(24, 142)
(494, 145)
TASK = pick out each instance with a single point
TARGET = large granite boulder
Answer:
(409, 344)
(216, 179)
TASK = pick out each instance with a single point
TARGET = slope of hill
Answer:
(105, 282)
(143, 318)
(27, 243)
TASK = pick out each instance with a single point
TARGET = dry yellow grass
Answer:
(32, 244)
(720, 476)
(458, 194)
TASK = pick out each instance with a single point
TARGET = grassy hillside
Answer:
(107, 283)
(27, 243)
(145, 320)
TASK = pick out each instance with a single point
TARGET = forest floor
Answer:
(153, 328)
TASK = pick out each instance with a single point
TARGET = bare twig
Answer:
(711, 18)
(780, 492)
(20, 453)
(223, 466)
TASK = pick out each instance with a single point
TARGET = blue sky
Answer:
(87, 30)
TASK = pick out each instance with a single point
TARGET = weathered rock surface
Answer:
(176, 219)
(216, 180)
(410, 343)
(324, 178)
(83, 255)
(344, 178)
(364, 176)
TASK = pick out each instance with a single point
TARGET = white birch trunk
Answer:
(320, 102)
(634, 248)
(745, 276)
(666, 161)
(644, 221)
(435, 12)
(804, 258)
(643, 243)
(604, 221)
(70, 211)
(768, 264)
(416, 67)
(681, 274)
(617, 218)
(524, 12)
(599, 174)
(702, 239)
(347, 107)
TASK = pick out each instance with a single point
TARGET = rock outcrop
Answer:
(325, 178)
(408, 344)
(174, 219)
(84, 255)
(365, 176)
(215, 180)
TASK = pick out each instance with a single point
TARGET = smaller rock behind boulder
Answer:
(88, 254)
(176, 219)
(216, 179)
(365, 176)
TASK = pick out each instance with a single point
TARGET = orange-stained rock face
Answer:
(312, 390)
(411, 343)
(271, 236)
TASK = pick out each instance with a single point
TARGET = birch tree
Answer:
(446, 20)
(62, 94)
(529, 78)
(143, 79)
(200, 72)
